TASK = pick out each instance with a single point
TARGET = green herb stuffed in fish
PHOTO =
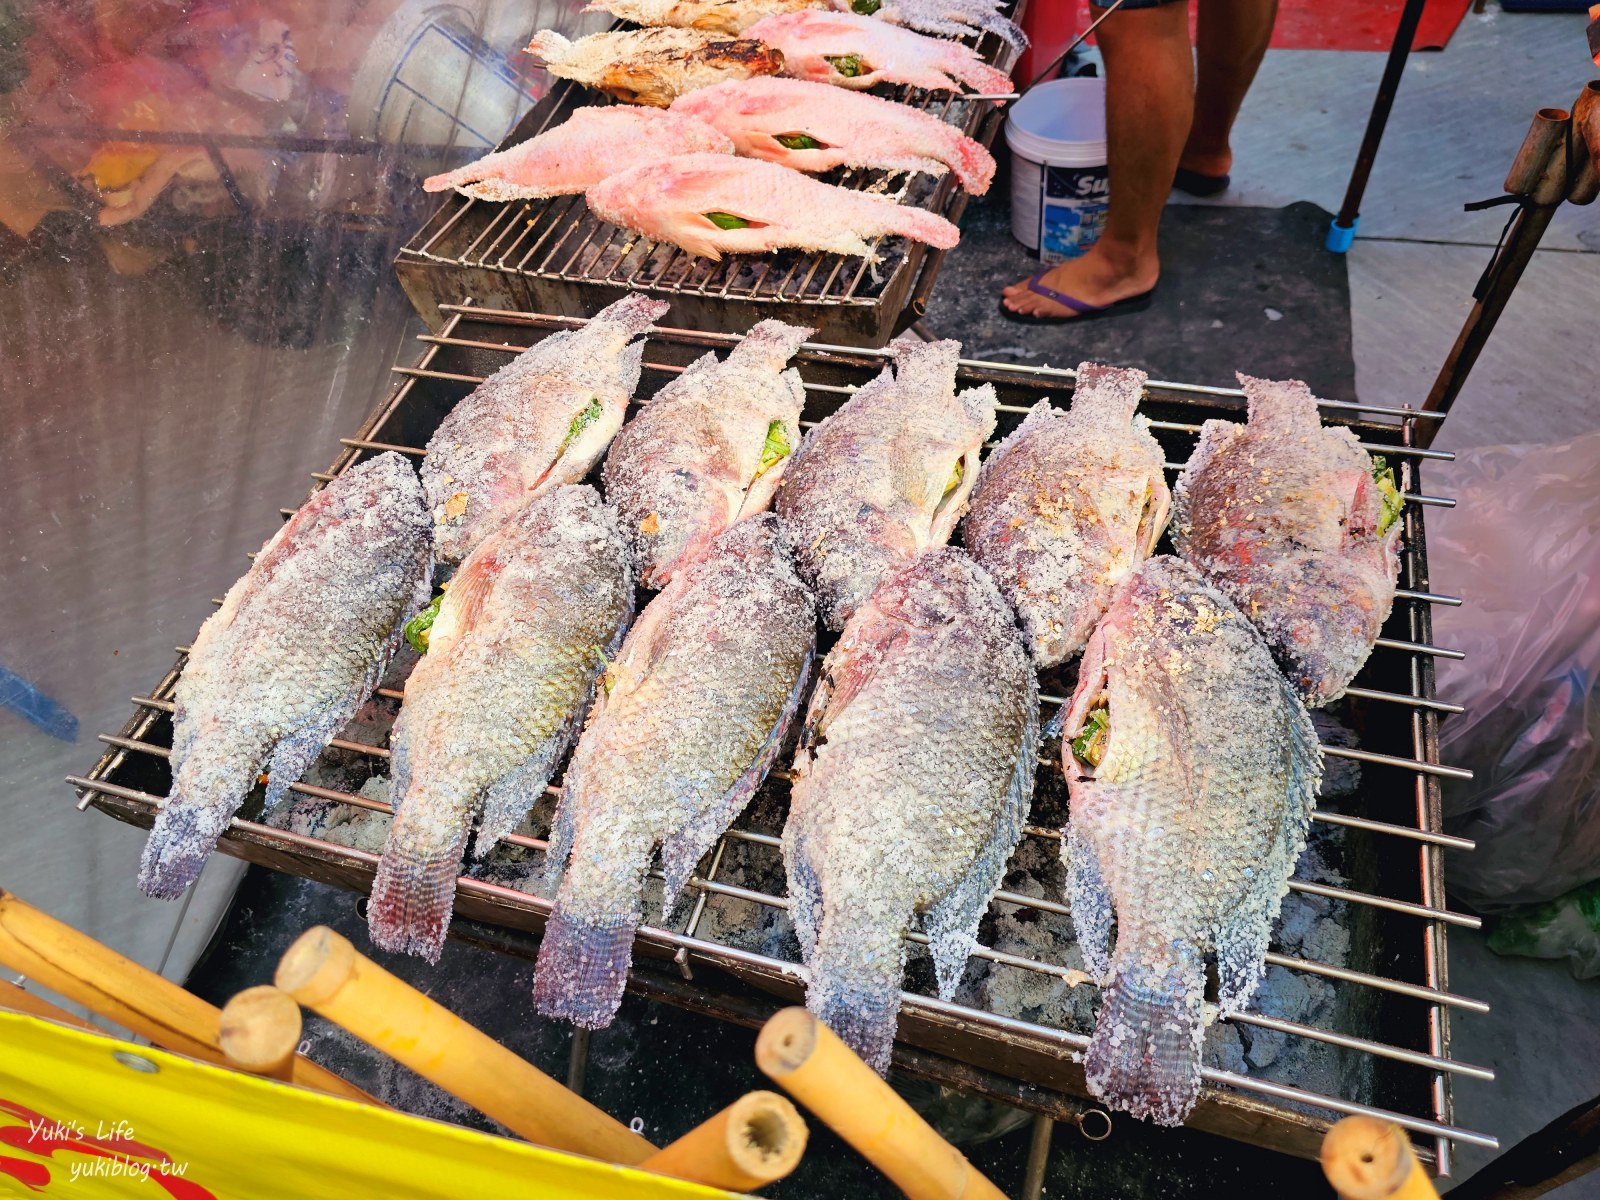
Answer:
(522, 634)
(1067, 506)
(1192, 767)
(540, 421)
(691, 713)
(707, 450)
(886, 476)
(298, 644)
(1299, 527)
(913, 777)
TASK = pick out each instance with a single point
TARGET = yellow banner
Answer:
(91, 1117)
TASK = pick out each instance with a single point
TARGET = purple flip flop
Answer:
(1087, 312)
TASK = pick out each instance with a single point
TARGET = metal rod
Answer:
(578, 1060)
(1443, 706)
(1547, 133)
(1390, 760)
(1038, 1157)
(1419, 835)
(1399, 906)
(1418, 648)
(1393, 69)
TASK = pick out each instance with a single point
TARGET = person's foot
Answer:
(1093, 279)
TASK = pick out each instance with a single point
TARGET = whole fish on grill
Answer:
(710, 204)
(580, 152)
(1192, 767)
(886, 476)
(912, 780)
(538, 422)
(521, 636)
(707, 450)
(1067, 506)
(653, 66)
(298, 644)
(949, 18)
(1299, 527)
(692, 712)
(852, 51)
(813, 127)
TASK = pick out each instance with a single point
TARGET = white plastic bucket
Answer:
(1057, 135)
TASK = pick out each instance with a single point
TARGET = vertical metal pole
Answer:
(1343, 230)
(578, 1062)
(1038, 1158)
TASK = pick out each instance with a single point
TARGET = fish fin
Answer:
(704, 363)
(1090, 901)
(1242, 939)
(563, 827)
(952, 922)
(179, 845)
(980, 404)
(1144, 1056)
(805, 893)
(582, 969)
(514, 794)
(414, 893)
(856, 972)
(682, 849)
(1053, 727)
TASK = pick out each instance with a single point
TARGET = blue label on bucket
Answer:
(1073, 210)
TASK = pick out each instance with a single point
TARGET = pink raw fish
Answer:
(774, 207)
(850, 129)
(857, 52)
(581, 152)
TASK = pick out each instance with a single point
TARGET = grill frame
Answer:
(465, 249)
(1022, 1063)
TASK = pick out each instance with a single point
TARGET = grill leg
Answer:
(1038, 1158)
(578, 1062)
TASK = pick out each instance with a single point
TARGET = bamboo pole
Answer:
(74, 965)
(809, 1060)
(1368, 1159)
(1544, 137)
(261, 1028)
(324, 972)
(756, 1140)
(16, 999)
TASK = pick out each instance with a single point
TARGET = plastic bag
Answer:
(1567, 927)
(1523, 548)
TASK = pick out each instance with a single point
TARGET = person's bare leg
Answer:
(1231, 39)
(1149, 109)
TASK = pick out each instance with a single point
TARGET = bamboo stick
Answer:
(261, 1028)
(16, 999)
(1368, 1159)
(808, 1059)
(1544, 137)
(756, 1140)
(74, 965)
(324, 972)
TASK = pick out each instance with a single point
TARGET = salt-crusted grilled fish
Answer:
(521, 636)
(707, 450)
(1192, 767)
(886, 476)
(713, 16)
(711, 204)
(1067, 506)
(853, 51)
(913, 777)
(298, 644)
(653, 66)
(949, 18)
(581, 151)
(1299, 527)
(691, 714)
(814, 127)
(538, 422)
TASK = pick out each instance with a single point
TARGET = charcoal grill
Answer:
(1392, 1021)
(554, 256)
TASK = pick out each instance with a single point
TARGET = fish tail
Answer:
(582, 968)
(630, 316)
(413, 895)
(771, 343)
(855, 987)
(923, 226)
(549, 45)
(1144, 1057)
(972, 163)
(179, 845)
(1108, 394)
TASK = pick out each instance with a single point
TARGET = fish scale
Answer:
(299, 643)
(912, 781)
(1185, 831)
(521, 637)
(1283, 515)
(1067, 506)
(540, 421)
(695, 707)
(694, 461)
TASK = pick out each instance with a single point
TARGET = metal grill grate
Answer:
(1398, 824)
(553, 255)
